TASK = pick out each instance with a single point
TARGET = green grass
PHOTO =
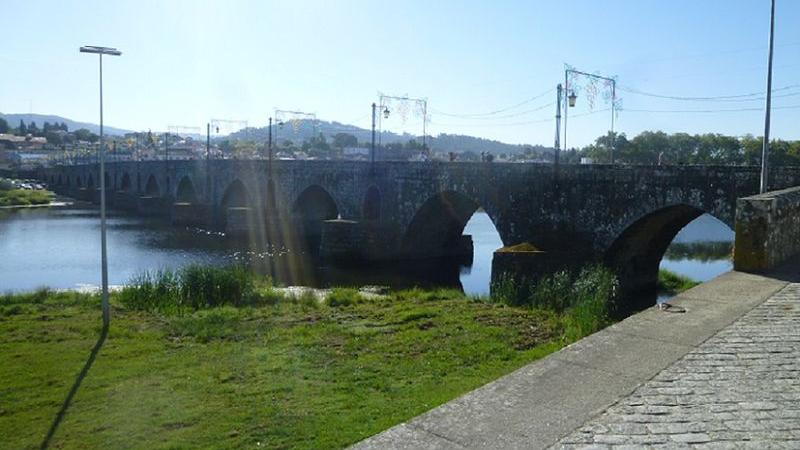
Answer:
(672, 283)
(584, 301)
(272, 373)
(25, 197)
(192, 287)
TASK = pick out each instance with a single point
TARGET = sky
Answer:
(187, 62)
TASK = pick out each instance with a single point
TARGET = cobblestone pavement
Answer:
(739, 389)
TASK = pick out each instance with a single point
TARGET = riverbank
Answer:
(271, 371)
(25, 197)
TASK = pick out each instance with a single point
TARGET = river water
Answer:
(60, 248)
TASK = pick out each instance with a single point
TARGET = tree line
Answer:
(657, 147)
(56, 133)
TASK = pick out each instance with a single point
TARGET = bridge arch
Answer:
(372, 204)
(438, 225)
(235, 196)
(311, 208)
(151, 187)
(636, 253)
(125, 183)
(186, 192)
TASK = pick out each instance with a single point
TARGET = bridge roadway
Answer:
(724, 374)
(624, 216)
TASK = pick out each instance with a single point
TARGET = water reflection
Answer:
(701, 250)
(60, 248)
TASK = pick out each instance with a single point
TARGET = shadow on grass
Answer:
(67, 401)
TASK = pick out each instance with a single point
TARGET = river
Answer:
(60, 248)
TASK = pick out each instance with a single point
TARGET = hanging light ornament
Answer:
(572, 98)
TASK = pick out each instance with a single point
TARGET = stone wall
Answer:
(767, 230)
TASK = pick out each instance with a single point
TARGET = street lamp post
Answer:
(269, 146)
(765, 145)
(557, 145)
(372, 146)
(572, 97)
(100, 51)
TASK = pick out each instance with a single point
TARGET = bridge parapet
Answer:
(767, 230)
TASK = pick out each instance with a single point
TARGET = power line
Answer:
(529, 122)
(497, 111)
(705, 111)
(759, 94)
(507, 116)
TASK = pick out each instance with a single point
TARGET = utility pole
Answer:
(765, 145)
(372, 147)
(208, 161)
(613, 113)
(269, 145)
(557, 145)
(208, 142)
(424, 130)
(566, 107)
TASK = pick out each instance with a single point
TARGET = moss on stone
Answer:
(523, 247)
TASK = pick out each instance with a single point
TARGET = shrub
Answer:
(207, 286)
(193, 287)
(343, 297)
(584, 299)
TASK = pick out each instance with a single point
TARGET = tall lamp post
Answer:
(372, 145)
(100, 51)
(765, 145)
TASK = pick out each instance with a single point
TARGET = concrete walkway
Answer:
(720, 373)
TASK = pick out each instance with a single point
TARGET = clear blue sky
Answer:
(185, 62)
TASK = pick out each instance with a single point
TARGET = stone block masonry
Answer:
(767, 230)
(623, 216)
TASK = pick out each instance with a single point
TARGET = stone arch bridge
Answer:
(625, 216)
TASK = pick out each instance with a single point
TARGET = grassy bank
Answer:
(188, 366)
(672, 283)
(24, 197)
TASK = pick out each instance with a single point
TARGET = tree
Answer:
(22, 129)
(3, 125)
(53, 137)
(342, 140)
(85, 135)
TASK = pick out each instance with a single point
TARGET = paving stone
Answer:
(738, 389)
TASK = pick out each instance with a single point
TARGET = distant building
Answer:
(585, 160)
(10, 141)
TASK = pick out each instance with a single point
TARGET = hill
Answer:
(304, 129)
(40, 119)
